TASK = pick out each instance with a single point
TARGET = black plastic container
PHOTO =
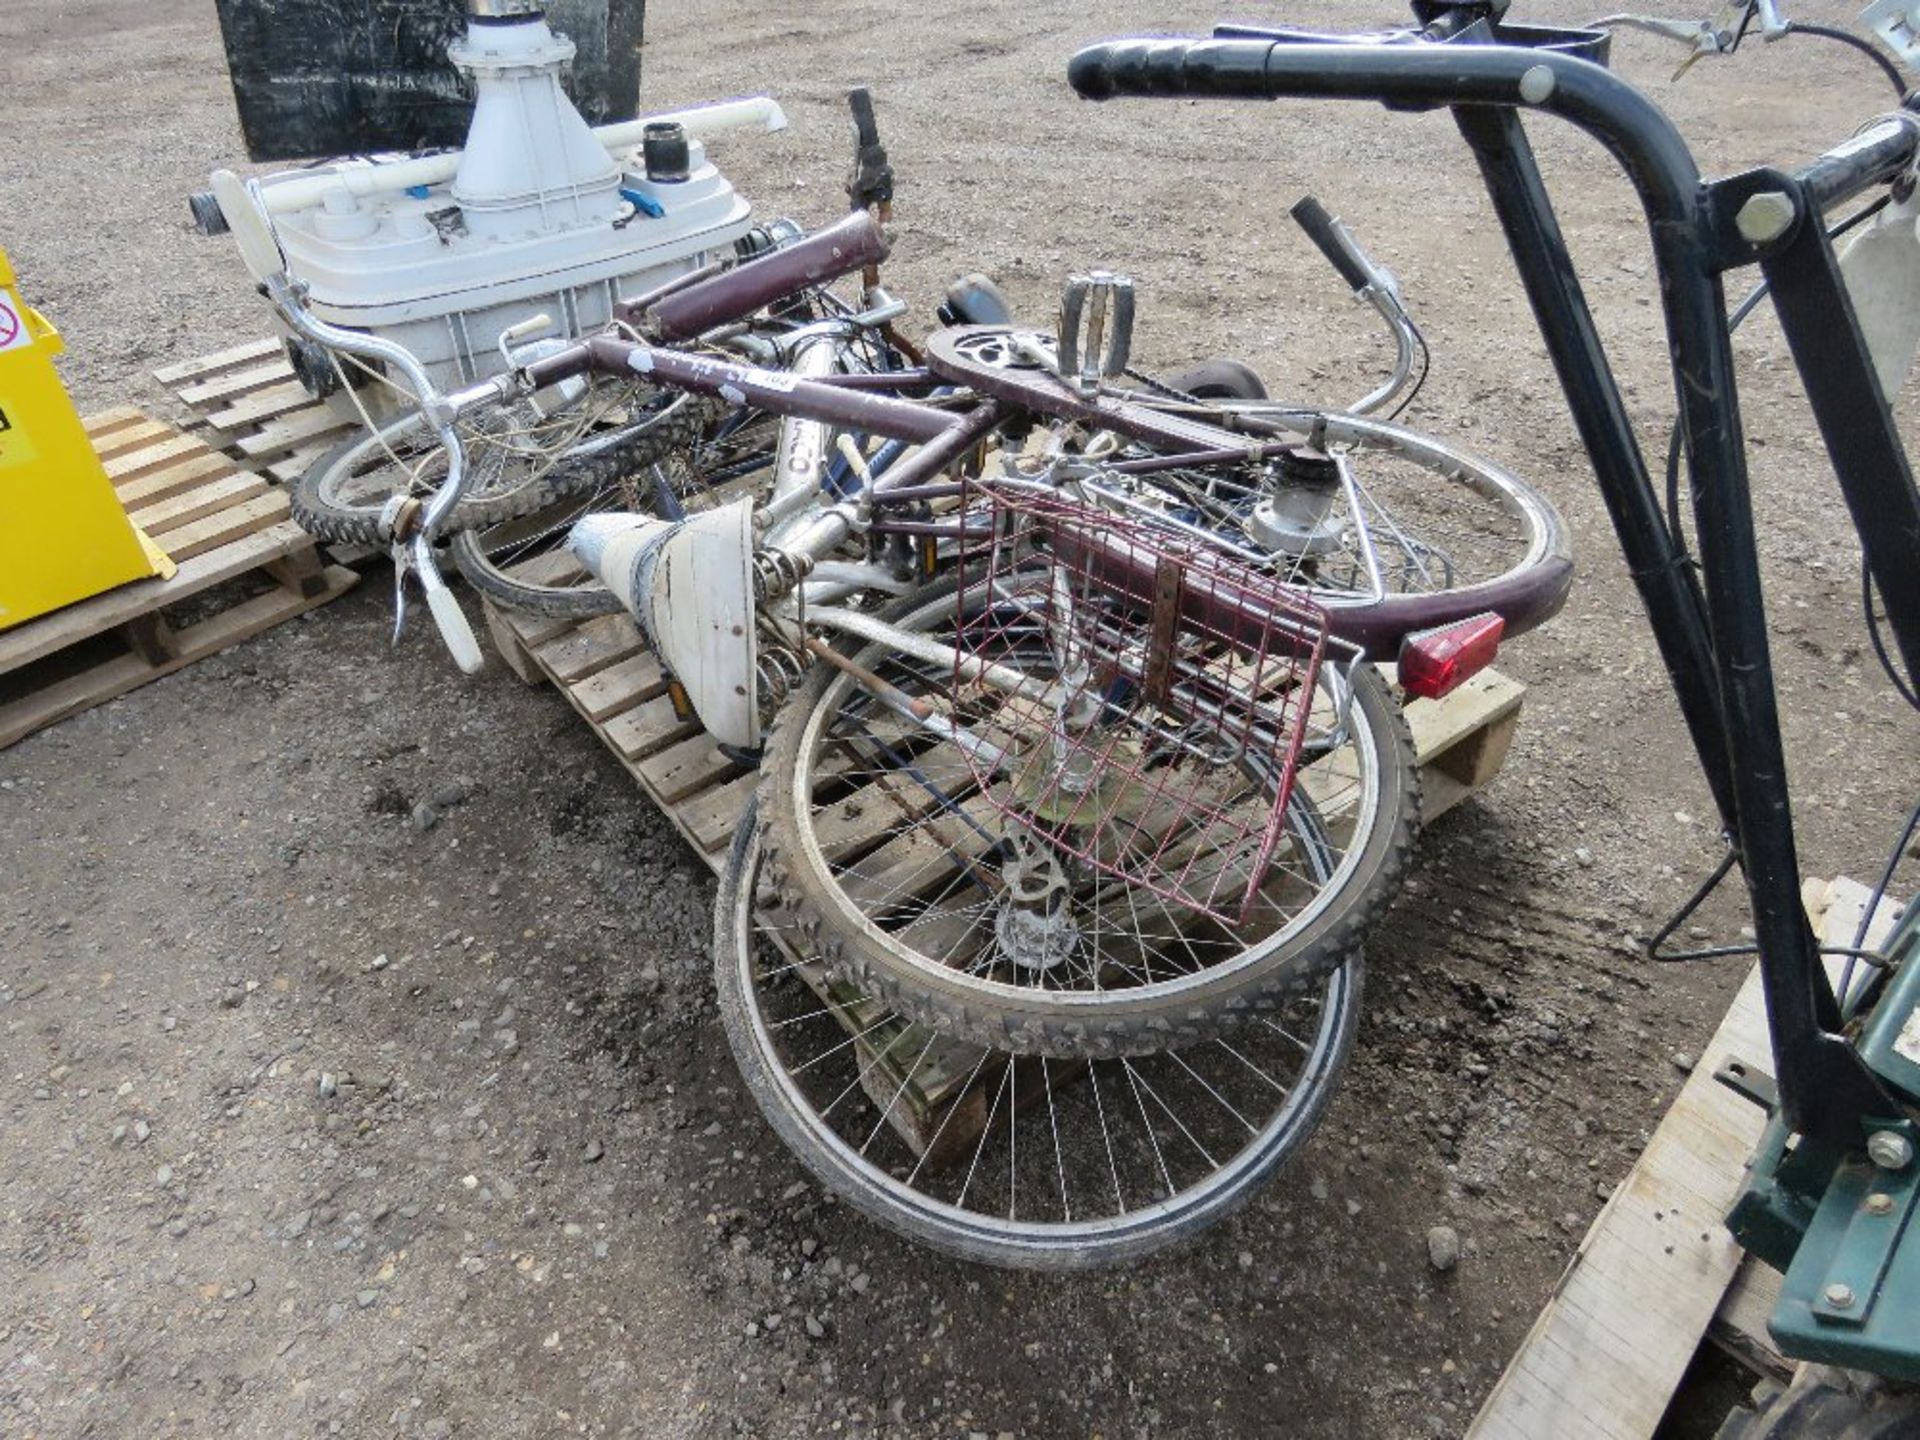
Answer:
(318, 78)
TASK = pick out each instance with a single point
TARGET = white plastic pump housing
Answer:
(538, 216)
(531, 165)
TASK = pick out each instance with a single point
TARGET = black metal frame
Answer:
(1710, 626)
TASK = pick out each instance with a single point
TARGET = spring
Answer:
(776, 573)
(779, 671)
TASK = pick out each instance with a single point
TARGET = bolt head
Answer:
(1765, 216)
(1879, 1204)
(1890, 1150)
(1840, 1297)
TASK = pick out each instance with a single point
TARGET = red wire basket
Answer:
(1168, 694)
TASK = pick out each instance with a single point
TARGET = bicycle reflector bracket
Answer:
(1439, 661)
(1166, 694)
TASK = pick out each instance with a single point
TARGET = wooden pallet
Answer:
(607, 673)
(1658, 1273)
(218, 524)
(254, 410)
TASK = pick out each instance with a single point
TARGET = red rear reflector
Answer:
(1439, 661)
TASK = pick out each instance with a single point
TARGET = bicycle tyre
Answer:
(1098, 1023)
(805, 1103)
(327, 515)
(490, 561)
(1525, 574)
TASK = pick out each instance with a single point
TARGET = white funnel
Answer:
(531, 165)
(689, 584)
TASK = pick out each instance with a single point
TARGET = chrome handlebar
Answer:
(412, 537)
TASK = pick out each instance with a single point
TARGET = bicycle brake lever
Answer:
(399, 590)
(456, 631)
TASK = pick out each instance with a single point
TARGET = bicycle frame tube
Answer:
(1713, 637)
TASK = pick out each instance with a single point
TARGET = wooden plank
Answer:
(1740, 1324)
(679, 770)
(1439, 725)
(1604, 1356)
(225, 526)
(154, 457)
(113, 443)
(714, 814)
(209, 395)
(289, 432)
(1606, 1353)
(103, 422)
(180, 476)
(187, 371)
(116, 677)
(506, 644)
(262, 405)
(39, 638)
(591, 646)
(619, 687)
(292, 468)
(640, 732)
(161, 517)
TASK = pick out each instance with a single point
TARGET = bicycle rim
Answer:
(1032, 1163)
(1409, 518)
(884, 837)
(524, 563)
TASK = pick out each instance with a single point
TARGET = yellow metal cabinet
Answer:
(63, 534)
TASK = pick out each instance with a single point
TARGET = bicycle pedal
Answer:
(1096, 329)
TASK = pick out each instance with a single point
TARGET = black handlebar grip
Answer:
(1326, 233)
(847, 245)
(871, 181)
(1229, 69)
(866, 131)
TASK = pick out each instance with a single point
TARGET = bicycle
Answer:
(1115, 702)
(1846, 1091)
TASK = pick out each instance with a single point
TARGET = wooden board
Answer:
(1462, 740)
(246, 404)
(218, 524)
(1657, 1268)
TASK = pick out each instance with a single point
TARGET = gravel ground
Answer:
(316, 1122)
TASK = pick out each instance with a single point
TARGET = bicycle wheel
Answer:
(518, 463)
(1031, 1163)
(523, 563)
(914, 878)
(1390, 530)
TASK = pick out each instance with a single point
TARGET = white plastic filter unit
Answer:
(540, 213)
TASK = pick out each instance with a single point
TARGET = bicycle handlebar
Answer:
(1334, 242)
(842, 248)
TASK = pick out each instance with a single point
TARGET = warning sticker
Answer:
(14, 334)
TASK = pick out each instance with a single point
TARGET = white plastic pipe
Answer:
(361, 177)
